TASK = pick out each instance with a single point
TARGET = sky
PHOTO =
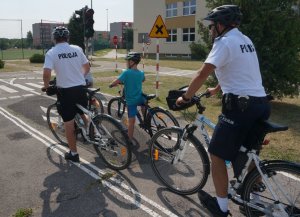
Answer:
(35, 11)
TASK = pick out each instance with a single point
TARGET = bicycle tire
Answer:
(158, 119)
(56, 124)
(189, 174)
(116, 107)
(99, 109)
(285, 173)
(116, 148)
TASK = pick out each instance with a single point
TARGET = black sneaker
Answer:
(254, 212)
(211, 204)
(74, 158)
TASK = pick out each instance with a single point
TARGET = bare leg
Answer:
(70, 134)
(220, 176)
(131, 122)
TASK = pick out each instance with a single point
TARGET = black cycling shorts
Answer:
(68, 98)
(233, 129)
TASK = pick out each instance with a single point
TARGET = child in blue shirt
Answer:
(132, 78)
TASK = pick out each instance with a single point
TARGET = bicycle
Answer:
(107, 135)
(172, 149)
(149, 119)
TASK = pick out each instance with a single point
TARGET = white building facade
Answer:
(180, 18)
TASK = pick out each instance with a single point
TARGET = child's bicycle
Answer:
(181, 163)
(107, 135)
(149, 119)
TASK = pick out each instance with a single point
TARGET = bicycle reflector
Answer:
(266, 142)
(123, 151)
(155, 154)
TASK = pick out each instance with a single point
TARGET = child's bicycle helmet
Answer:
(134, 56)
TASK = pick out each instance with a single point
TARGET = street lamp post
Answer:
(126, 34)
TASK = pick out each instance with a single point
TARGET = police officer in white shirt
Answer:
(70, 66)
(234, 60)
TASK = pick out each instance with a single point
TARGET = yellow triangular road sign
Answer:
(159, 29)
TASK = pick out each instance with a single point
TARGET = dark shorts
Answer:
(68, 98)
(234, 127)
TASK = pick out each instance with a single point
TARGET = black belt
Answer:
(253, 99)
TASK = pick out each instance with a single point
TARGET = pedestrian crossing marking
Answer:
(35, 85)
(7, 89)
(23, 87)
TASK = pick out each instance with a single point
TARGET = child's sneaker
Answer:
(211, 204)
(71, 157)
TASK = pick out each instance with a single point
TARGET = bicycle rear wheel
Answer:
(186, 175)
(56, 124)
(158, 119)
(284, 178)
(97, 105)
(114, 146)
(116, 107)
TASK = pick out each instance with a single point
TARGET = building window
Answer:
(189, 7)
(143, 37)
(171, 10)
(172, 35)
(188, 34)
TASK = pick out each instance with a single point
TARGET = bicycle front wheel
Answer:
(116, 107)
(182, 168)
(158, 119)
(56, 124)
(97, 105)
(113, 146)
(283, 178)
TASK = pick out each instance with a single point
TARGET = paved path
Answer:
(111, 65)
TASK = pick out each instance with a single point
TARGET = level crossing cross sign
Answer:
(159, 29)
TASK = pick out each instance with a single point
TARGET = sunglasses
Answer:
(210, 26)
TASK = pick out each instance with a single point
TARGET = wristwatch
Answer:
(185, 99)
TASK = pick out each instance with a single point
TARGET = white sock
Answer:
(73, 153)
(223, 203)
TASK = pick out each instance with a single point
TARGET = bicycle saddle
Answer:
(269, 127)
(150, 96)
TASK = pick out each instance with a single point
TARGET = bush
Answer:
(2, 64)
(37, 58)
(198, 51)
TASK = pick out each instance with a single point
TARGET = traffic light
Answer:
(79, 18)
(89, 23)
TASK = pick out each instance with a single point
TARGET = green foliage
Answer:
(23, 212)
(199, 51)
(29, 39)
(2, 63)
(37, 58)
(76, 31)
(274, 28)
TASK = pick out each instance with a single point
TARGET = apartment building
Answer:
(180, 18)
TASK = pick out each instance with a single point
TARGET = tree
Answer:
(76, 31)
(274, 27)
(29, 39)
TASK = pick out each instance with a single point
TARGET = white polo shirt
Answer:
(67, 61)
(237, 66)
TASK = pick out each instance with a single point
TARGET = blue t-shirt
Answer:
(133, 80)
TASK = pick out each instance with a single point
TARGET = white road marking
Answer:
(35, 85)
(8, 89)
(23, 87)
(110, 183)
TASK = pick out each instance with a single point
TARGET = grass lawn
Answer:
(13, 54)
(284, 145)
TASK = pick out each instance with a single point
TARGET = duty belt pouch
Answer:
(227, 102)
(243, 102)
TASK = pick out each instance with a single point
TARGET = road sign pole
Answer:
(143, 52)
(157, 67)
(116, 70)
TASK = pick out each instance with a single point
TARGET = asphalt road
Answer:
(35, 175)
